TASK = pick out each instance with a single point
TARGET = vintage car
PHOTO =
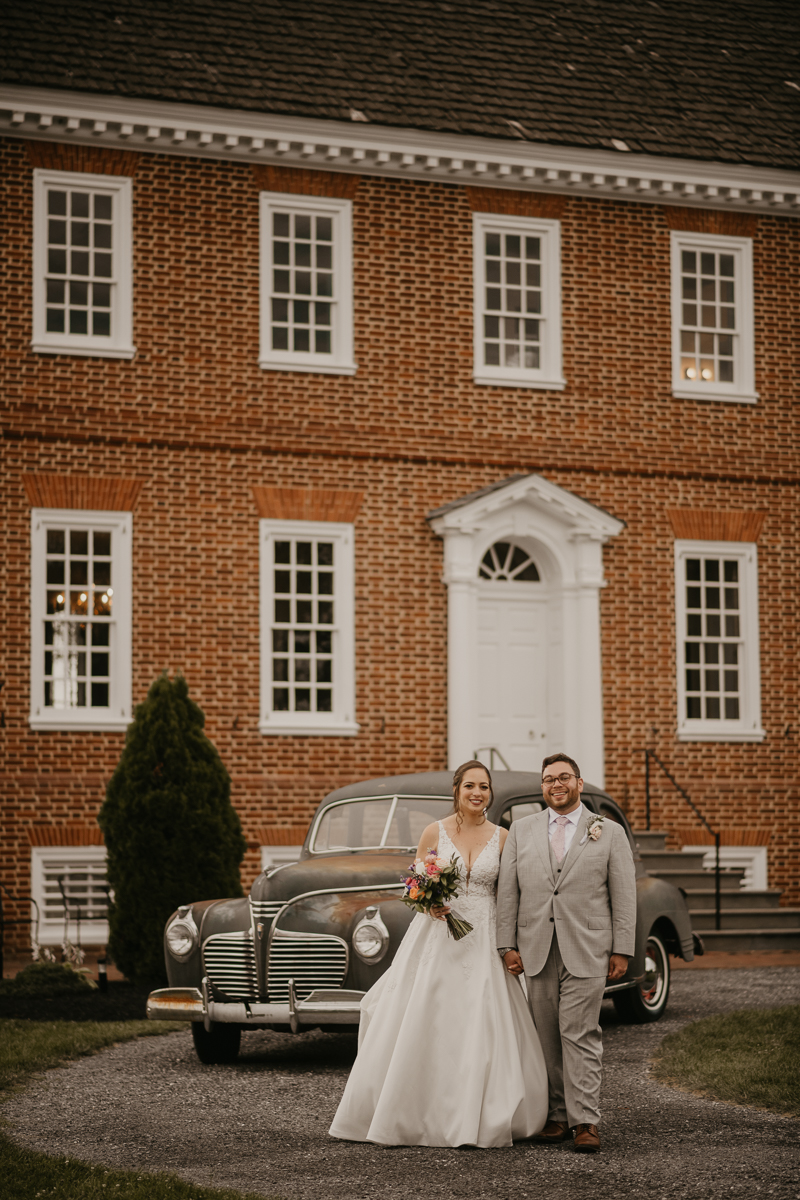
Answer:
(302, 949)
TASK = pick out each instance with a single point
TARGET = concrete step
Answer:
(657, 861)
(649, 839)
(729, 881)
(779, 920)
(699, 899)
(731, 941)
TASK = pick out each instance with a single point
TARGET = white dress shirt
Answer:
(569, 830)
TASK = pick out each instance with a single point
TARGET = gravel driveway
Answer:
(261, 1125)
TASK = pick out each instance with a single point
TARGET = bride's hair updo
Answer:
(457, 781)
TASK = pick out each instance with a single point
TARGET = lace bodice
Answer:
(485, 868)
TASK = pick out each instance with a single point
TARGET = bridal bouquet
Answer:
(433, 880)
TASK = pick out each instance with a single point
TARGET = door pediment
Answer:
(524, 505)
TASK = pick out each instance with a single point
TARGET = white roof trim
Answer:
(584, 519)
(161, 127)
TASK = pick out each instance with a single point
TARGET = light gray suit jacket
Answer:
(591, 903)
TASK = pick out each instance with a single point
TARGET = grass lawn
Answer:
(748, 1058)
(29, 1046)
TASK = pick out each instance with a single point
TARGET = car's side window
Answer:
(522, 808)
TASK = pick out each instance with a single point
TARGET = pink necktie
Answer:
(559, 837)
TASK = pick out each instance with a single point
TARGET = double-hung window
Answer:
(80, 619)
(517, 301)
(82, 265)
(719, 685)
(306, 284)
(307, 628)
(712, 318)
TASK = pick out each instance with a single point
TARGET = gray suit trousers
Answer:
(566, 1013)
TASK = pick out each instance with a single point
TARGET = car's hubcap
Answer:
(653, 986)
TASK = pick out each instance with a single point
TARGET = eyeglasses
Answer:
(548, 780)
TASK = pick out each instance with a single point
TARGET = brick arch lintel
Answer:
(92, 492)
(280, 835)
(65, 835)
(94, 160)
(302, 182)
(515, 204)
(710, 525)
(707, 220)
(307, 504)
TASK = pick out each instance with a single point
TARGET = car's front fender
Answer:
(661, 906)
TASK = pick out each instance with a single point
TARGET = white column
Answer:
(461, 646)
(583, 666)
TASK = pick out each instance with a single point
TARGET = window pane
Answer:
(57, 203)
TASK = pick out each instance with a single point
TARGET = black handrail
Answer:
(648, 754)
(492, 751)
(4, 921)
(67, 906)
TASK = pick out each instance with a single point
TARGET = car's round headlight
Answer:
(182, 936)
(371, 939)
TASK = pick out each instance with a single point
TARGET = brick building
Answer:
(406, 410)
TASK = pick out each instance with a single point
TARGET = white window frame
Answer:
(341, 721)
(743, 388)
(120, 343)
(748, 727)
(120, 710)
(341, 360)
(550, 373)
(51, 932)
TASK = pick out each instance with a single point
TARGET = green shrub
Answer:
(171, 832)
(47, 979)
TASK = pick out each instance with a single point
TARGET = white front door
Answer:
(510, 692)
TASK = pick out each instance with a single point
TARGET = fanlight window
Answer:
(504, 561)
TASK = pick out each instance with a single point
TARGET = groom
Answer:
(566, 916)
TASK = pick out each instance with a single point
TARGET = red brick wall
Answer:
(194, 419)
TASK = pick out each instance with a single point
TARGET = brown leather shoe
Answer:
(554, 1131)
(587, 1139)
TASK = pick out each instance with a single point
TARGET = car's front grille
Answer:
(318, 961)
(266, 910)
(229, 961)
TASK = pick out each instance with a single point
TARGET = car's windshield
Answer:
(377, 823)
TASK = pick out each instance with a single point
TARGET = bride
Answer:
(448, 1054)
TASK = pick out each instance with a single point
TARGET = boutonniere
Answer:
(594, 828)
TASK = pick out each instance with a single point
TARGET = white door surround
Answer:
(564, 535)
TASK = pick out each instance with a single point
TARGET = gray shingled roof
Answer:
(702, 79)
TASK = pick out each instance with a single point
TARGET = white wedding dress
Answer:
(448, 1054)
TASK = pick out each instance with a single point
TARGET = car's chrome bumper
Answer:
(335, 1006)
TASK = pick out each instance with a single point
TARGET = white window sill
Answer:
(310, 368)
(521, 381)
(725, 397)
(83, 351)
(721, 735)
(274, 727)
(93, 724)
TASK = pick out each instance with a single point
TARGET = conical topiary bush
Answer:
(171, 832)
